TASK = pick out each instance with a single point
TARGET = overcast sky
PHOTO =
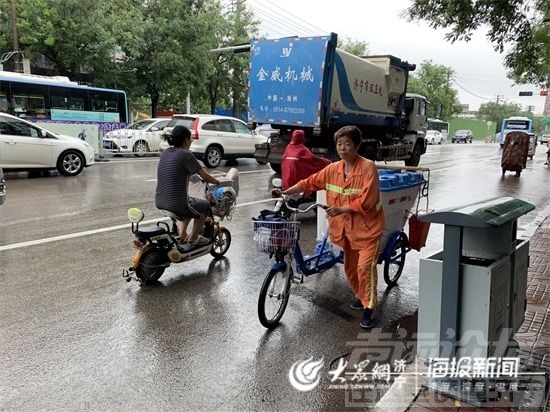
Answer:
(480, 75)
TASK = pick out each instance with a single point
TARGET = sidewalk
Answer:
(533, 338)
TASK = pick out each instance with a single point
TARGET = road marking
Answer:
(96, 231)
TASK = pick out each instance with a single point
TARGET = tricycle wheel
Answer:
(393, 267)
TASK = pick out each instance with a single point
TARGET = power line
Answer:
(298, 25)
(275, 21)
(468, 91)
(470, 85)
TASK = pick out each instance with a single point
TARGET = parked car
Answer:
(463, 136)
(2, 188)
(545, 138)
(216, 138)
(25, 146)
(435, 136)
(139, 137)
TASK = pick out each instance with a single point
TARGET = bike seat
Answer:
(151, 230)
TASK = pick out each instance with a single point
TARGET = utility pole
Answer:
(498, 98)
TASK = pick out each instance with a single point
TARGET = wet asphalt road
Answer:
(75, 335)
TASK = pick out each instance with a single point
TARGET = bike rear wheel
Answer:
(151, 265)
(274, 297)
(393, 267)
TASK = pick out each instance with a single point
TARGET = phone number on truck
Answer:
(295, 110)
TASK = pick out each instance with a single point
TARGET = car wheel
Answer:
(452, 140)
(141, 148)
(440, 141)
(213, 156)
(432, 141)
(70, 163)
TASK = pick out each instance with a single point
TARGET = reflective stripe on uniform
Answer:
(341, 190)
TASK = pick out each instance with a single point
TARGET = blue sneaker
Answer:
(357, 305)
(367, 322)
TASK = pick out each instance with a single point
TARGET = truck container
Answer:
(307, 83)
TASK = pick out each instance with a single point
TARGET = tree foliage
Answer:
(518, 28)
(495, 112)
(355, 47)
(434, 82)
(155, 48)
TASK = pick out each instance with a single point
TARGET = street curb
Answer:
(529, 230)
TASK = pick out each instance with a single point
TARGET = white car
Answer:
(139, 137)
(216, 138)
(545, 138)
(25, 146)
(434, 136)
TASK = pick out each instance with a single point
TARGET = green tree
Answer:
(434, 82)
(75, 36)
(521, 27)
(495, 112)
(355, 47)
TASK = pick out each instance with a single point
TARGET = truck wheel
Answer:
(415, 156)
(276, 167)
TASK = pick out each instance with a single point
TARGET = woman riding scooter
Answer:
(299, 163)
(176, 165)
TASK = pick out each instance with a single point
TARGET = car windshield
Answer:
(462, 132)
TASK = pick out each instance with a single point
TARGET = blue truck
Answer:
(308, 83)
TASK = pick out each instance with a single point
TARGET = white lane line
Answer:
(96, 231)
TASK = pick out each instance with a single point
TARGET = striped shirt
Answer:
(175, 167)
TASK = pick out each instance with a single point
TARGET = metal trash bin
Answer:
(474, 290)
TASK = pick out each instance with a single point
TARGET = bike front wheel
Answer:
(274, 297)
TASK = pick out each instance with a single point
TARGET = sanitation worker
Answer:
(355, 216)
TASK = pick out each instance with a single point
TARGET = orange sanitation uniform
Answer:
(359, 231)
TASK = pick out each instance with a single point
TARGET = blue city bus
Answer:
(57, 99)
(515, 124)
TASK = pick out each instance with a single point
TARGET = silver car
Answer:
(465, 136)
(216, 138)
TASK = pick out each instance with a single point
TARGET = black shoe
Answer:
(367, 322)
(357, 305)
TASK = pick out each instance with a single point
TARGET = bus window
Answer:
(59, 102)
(76, 103)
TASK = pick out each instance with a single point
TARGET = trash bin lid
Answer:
(484, 214)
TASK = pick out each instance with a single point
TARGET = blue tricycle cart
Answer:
(277, 234)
